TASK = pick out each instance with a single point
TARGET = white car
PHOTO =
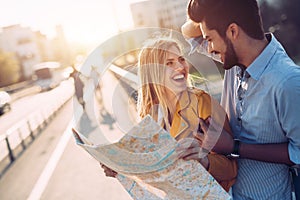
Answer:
(5, 101)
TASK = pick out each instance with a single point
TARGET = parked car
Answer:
(5, 101)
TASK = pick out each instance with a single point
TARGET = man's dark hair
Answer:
(219, 14)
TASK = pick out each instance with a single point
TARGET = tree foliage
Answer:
(9, 69)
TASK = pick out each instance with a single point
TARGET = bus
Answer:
(48, 75)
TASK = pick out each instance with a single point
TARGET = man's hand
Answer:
(109, 172)
(191, 29)
(215, 137)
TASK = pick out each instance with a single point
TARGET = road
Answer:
(27, 105)
(29, 112)
(54, 167)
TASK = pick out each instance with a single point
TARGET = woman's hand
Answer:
(190, 149)
(109, 172)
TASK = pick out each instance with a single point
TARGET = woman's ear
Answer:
(232, 31)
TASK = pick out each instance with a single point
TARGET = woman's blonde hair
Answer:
(151, 74)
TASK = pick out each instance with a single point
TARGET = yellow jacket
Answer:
(195, 104)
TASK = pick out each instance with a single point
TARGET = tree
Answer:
(9, 69)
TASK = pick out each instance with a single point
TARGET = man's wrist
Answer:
(235, 153)
(205, 162)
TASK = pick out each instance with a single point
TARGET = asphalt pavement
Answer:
(54, 167)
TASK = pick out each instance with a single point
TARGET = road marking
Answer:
(44, 178)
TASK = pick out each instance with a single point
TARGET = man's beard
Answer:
(230, 58)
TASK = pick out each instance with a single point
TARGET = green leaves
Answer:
(9, 69)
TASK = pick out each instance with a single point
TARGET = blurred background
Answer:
(43, 42)
(37, 31)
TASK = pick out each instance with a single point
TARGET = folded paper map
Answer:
(148, 167)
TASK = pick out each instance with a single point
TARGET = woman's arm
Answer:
(223, 169)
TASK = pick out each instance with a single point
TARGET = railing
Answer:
(17, 86)
(126, 76)
(17, 138)
(21, 89)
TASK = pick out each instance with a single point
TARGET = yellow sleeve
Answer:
(204, 105)
(223, 169)
(209, 107)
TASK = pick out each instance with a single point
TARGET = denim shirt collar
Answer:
(258, 66)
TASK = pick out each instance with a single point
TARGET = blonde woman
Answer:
(166, 96)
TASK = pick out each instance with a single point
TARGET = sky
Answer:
(83, 21)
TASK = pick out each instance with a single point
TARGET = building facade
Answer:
(159, 13)
(31, 47)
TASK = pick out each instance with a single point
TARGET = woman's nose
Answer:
(179, 66)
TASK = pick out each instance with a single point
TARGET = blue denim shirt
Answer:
(263, 105)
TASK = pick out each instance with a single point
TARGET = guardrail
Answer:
(19, 90)
(17, 138)
(17, 86)
(24, 92)
(126, 76)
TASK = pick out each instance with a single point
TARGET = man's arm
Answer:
(276, 153)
